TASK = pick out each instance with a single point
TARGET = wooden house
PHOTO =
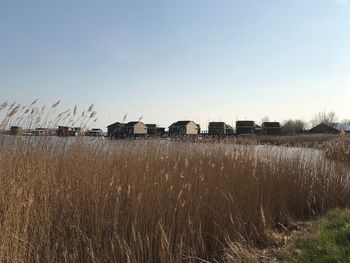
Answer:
(42, 132)
(115, 129)
(219, 129)
(160, 131)
(76, 131)
(134, 128)
(184, 128)
(94, 132)
(271, 128)
(154, 130)
(15, 130)
(63, 131)
(341, 127)
(323, 128)
(245, 127)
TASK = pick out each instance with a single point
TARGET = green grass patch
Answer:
(329, 240)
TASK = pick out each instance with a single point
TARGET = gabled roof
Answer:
(133, 123)
(180, 123)
(116, 124)
(324, 127)
(341, 126)
(245, 124)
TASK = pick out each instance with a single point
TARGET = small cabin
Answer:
(271, 128)
(160, 131)
(94, 132)
(154, 130)
(15, 130)
(219, 129)
(323, 128)
(42, 132)
(134, 128)
(245, 127)
(342, 127)
(76, 131)
(63, 131)
(184, 128)
(115, 129)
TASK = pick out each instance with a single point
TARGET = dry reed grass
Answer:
(83, 200)
(338, 148)
(153, 201)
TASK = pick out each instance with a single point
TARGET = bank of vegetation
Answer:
(154, 201)
(85, 200)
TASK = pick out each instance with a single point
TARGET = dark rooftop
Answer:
(271, 124)
(132, 123)
(180, 123)
(116, 123)
(245, 124)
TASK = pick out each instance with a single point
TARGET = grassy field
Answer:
(328, 240)
(79, 200)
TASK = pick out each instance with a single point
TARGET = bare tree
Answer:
(324, 117)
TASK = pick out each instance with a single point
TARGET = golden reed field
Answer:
(84, 200)
(101, 200)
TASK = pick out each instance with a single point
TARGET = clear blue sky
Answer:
(170, 60)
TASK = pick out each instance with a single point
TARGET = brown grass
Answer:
(80, 200)
(338, 148)
(64, 200)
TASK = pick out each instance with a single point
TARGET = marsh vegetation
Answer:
(100, 200)
(155, 201)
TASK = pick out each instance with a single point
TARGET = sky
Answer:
(165, 60)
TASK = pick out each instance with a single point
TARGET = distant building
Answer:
(245, 127)
(184, 128)
(76, 131)
(115, 129)
(333, 128)
(134, 128)
(198, 128)
(121, 130)
(42, 132)
(15, 130)
(63, 131)
(154, 130)
(160, 131)
(271, 128)
(341, 127)
(94, 132)
(323, 128)
(258, 130)
(219, 128)
(151, 129)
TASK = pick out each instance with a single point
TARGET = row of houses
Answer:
(61, 131)
(78, 131)
(187, 127)
(180, 128)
